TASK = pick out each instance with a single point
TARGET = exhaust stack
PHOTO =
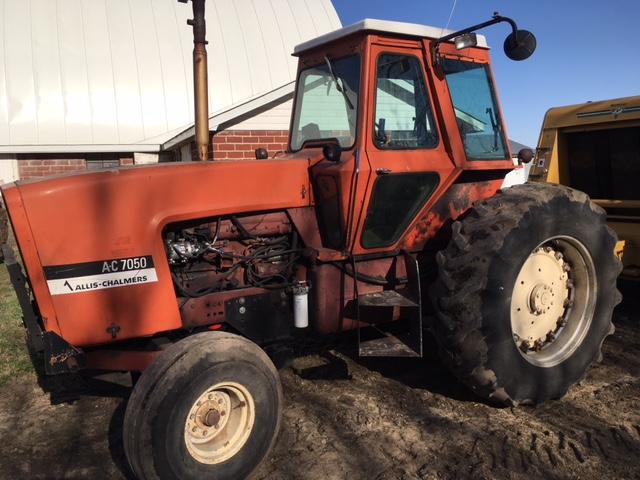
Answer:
(200, 85)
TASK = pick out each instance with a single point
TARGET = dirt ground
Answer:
(355, 419)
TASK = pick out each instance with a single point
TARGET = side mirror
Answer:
(332, 152)
(525, 155)
(520, 45)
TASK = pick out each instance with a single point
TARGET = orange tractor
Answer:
(384, 216)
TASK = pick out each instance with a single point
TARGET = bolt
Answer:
(211, 396)
(242, 310)
(220, 401)
(524, 346)
(558, 256)
(192, 417)
(223, 413)
(241, 300)
(204, 433)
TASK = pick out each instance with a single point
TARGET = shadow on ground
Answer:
(346, 417)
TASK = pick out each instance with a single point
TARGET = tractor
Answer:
(384, 218)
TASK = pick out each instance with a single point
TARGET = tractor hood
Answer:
(120, 213)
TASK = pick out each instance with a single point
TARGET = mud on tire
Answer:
(476, 277)
(156, 440)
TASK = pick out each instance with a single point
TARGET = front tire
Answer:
(525, 293)
(208, 407)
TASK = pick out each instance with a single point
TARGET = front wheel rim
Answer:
(219, 423)
(553, 301)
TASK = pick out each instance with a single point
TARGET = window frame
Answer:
(428, 96)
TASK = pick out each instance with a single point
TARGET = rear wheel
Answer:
(208, 407)
(525, 293)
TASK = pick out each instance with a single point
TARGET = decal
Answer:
(89, 276)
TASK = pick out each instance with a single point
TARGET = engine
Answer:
(232, 252)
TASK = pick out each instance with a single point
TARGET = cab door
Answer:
(408, 162)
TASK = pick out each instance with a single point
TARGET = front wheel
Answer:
(526, 292)
(208, 407)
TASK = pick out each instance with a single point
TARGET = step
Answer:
(387, 345)
(387, 298)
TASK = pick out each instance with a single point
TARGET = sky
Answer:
(587, 49)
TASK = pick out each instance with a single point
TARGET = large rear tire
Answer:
(525, 293)
(208, 407)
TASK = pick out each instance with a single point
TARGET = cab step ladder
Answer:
(401, 338)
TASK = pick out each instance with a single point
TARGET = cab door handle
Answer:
(383, 171)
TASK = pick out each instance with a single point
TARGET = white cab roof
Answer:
(382, 26)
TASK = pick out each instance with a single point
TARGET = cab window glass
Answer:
(476, 110)
(396, 200)
(403, 118)
(327, 103)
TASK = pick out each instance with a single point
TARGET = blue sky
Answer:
(587, 49)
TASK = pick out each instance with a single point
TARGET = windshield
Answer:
(476, 111)
(327, 103)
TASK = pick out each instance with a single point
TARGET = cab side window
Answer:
(403, 115)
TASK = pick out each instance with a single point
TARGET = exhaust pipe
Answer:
(200, 85)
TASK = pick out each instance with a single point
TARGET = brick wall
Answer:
(44, 164)
(241, 144)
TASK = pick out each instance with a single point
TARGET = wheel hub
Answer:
(540, 299)
(219, 423)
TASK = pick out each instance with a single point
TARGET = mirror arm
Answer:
(497, 18)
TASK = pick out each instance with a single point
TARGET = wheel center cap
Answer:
(212, 418)
(540, 298)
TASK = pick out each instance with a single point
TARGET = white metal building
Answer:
(103, 80)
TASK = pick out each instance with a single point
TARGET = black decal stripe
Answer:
(57, 272)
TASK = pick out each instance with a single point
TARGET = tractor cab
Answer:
(400, 113)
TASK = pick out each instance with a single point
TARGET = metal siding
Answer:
(145, 42)
(46, 70)
(220, 94)
(260, 70)
(277, 58)
(19, 72)
(73, 73)
(125, 72)
(175, 78)
(95, 53)
(4, 96)
(239, 73)
(111, 73)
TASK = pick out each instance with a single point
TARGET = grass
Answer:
(14, 357)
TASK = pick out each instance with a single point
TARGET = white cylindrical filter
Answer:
(300, 305)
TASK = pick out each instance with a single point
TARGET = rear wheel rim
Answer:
(553, 301)
(219, 423)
